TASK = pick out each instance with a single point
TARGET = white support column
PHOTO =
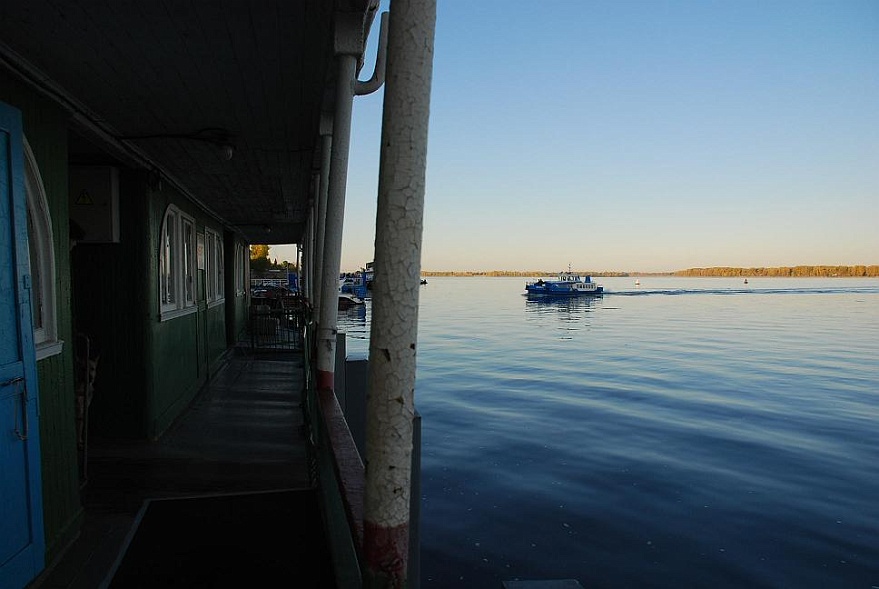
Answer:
(393, 336)
(331, 258)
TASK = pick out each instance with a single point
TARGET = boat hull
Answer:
(559, 292)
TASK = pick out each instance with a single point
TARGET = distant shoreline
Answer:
(857, 271)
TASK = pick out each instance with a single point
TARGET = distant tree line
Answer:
(780, 271)
(785, 271)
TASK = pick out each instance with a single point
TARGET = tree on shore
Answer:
(260, 261)
(857, 271)
(259, 258)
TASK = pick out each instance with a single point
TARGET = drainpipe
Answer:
(348, 47)
(299, 258)
(307, 249)
(308, 257)
(349, 31)
(378, 75)
(393, 336)
(326, 147)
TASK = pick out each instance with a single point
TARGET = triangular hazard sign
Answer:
(84, 198)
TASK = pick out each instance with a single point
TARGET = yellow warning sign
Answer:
(84, 198)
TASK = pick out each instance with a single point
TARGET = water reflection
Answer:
(355, 315)
(567, 306)
(354, 322)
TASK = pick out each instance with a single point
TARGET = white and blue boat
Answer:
(567, 284)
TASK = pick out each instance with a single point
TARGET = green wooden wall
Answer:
(185, 350)
(149, 370)
(45, 128)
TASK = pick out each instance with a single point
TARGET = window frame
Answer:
(176, 265)
(215, 290)
(242, 269)
(41, 249)
(188, 251)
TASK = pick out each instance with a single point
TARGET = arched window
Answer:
(240, 270)
(177, 284)
(42, 260)
(215, 289)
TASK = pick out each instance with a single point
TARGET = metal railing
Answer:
(276, 324)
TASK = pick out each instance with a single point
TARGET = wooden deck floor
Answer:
(243, 434)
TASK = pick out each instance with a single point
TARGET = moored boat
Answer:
(567, 284)
(348, 300)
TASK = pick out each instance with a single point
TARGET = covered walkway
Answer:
(222, 500)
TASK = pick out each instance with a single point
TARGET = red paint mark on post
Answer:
(386, 550)
(325, 379)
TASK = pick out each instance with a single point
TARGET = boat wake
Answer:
(743, 291)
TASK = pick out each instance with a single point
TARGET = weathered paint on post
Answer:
(391, 406)
(331, 258)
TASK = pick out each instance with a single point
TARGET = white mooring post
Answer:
(399, 222)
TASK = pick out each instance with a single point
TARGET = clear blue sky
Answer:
(640, 135)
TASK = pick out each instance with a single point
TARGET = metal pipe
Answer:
(378, 75)
(394, 329)
(331, 257)
(299, 258)
(326, 149)
(307, 272)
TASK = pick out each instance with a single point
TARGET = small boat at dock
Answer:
(566, 284)
(348, 300)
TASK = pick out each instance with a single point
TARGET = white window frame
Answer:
(176, 268)
(41, 245)
(210, 283)
(188, 261)
(220, 257)
(240, 270)
(214, 268)
(167, 265)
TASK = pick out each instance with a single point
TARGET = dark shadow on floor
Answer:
(260, 540)
(243, 434)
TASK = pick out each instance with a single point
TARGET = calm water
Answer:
(681, 433)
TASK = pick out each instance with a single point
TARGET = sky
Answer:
(639, 136)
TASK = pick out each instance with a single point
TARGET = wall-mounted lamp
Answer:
(214, 135)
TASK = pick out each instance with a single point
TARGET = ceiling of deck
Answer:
(168, 83)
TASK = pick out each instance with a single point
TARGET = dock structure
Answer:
(144, 147)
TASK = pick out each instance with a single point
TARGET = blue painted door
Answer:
(22, 543)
